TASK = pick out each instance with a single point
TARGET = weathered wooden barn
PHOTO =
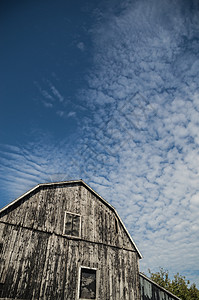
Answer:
(64, 241)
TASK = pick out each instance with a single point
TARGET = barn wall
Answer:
(38, 261)
(150, 291)
(45, 210)
(40, 265)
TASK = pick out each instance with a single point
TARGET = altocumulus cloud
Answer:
(139, 145)
(143, 137)
(38, 161)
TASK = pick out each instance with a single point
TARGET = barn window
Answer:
(72, 224)
(87, 288)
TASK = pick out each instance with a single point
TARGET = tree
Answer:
(179, 285)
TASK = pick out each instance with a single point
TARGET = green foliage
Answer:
(179, 285)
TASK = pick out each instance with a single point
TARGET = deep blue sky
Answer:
(39, 45)
(107, 91)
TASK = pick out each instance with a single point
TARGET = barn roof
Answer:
(71, 182)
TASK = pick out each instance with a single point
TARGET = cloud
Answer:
(141, 143)
(38, 161)
(81, 46)
(47, 104)
(49, 93)
(50, 96)
(60, 113)
(56, 93)
(71, 114)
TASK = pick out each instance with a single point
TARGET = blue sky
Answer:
(108, 92)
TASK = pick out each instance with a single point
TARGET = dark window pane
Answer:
(68, 224)
(76, 225)
(72, 224)
(88, 284)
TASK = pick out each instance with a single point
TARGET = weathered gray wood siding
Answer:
(45, 211)
(39, 262)
(151, 291)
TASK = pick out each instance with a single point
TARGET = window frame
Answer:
(79, 282)
(80, 219)
(1, 248)
(3, 270)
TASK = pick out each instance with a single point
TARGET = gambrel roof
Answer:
(65, 183)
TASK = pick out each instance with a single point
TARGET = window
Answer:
(87, 288)
(72, 224)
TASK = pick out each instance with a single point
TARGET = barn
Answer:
(64, 241)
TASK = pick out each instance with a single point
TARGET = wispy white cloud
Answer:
(47, 104)
(50, 96)
(38, 161)
(60, 113)
(71, 114)
(81, 46)
(56, 93)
